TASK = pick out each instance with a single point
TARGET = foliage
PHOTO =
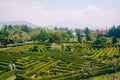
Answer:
(114, 40)
(114, 31)
(101, 42)
(69, 35)
(4, 38)
(55, 38)
(60, 28)
(88, 34)
(57, 65)
(67, 61)
(78, 34)
(35, 48)
(25, 28)
(114, 64)
(55, 47)
(42, 36)
(7, 27)
(18, 33)
(64, 36)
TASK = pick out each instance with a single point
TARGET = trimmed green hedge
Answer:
(6, 75)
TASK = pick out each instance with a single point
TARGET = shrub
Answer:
(116, 56)
(35, 48)
(105, 57)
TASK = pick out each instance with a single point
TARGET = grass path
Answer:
(11, 77)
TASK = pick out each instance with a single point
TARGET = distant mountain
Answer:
(18, 23)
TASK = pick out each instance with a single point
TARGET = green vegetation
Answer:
(88, 34)
(60, 54)
(78, 34)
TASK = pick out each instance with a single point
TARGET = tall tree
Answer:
(101, 41)
(69, 35)
(4, 27)
(88, 34)
(111, 31)
(114, 40)
(7, 27)
(25, 28)
(10, 27)
(16, 36)
(25, 37)
(42, 36)
(78, 34)
(118, 31)
(114, 31)
(4, 38)
(55, 38)
(64, 36)
(55, 28)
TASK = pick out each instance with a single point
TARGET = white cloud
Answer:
(41, 15)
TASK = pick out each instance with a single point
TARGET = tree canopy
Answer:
(114, 31)
(42, 36)
(4, 38)
(78, 34)
(88, 34)
(101, 42)
(55, 38)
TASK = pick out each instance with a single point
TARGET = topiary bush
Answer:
(34, 49)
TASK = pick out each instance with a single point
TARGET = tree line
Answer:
(14, 34)
(114, 31)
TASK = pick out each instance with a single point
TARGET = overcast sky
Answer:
(67, 13)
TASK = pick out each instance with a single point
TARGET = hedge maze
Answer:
(56, 69)
(58, 65)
